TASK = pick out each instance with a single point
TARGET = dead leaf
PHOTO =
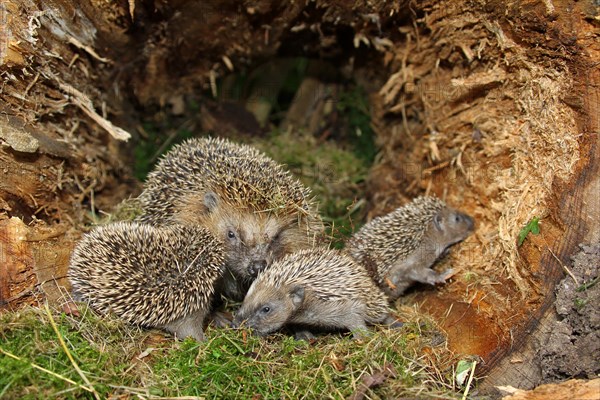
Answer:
(373, 380)
(336, 363)
(71, 308)
(146, 352)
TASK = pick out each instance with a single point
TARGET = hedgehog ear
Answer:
(297, 295)
(211, 201)
(438, 220)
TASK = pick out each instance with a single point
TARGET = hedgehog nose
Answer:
(256, 266)
(469, 221)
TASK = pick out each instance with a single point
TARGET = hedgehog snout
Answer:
(241, 322)
(255, 267)
(468, 220)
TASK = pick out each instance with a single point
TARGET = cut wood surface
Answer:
(573, 389)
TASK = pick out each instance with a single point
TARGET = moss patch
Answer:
(119, 360)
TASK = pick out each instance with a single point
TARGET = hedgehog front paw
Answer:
(304, 335)
(430, 276)
(221, 319)
(444, 276)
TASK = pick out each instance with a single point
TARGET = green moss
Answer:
(120, 360)
(580, 303)
(98, 347)
(231, 364)
(126, 210)
(353, 104)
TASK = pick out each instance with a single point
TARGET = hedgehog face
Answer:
(253, 240)
(266, 308)
(450, 226)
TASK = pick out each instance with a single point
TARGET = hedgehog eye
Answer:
(265, 310)
(278, 235)
(231, 234)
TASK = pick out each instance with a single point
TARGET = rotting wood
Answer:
(498, 183)
(54, 158)
(17, 262)
(578, 208)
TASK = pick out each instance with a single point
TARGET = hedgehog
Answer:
(315, 287)
(242, 196)
(399, 249)
(148, 276)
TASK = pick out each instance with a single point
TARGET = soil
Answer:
(573, 349)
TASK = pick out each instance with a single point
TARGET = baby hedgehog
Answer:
(152, 277)
(242, 196)
(313, 287)
(399, 248)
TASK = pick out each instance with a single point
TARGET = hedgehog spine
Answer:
(149, 276)
(243, 197)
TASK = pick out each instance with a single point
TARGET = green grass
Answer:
(354, 107)
(102, 348)
(120, 360)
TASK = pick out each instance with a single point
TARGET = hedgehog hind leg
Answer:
(392, 323)
(190, 325)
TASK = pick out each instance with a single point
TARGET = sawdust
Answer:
(481, 123)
